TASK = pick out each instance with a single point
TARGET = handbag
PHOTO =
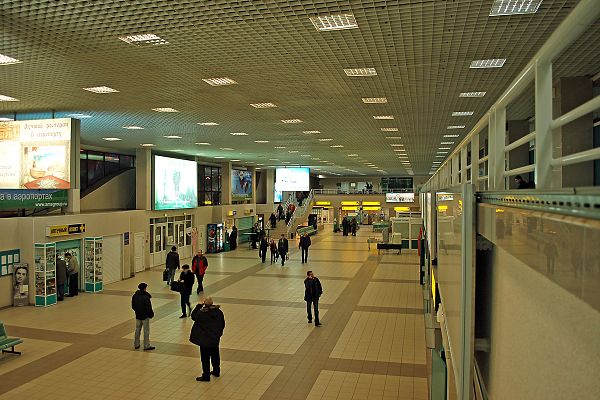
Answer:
(177, 286)
(165, 275)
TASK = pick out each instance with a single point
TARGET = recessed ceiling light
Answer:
(383, 117)
(273, 159)
(309, 132)
(263, 105)
(112, 139)
(147, 145)
(334, 22)
(238, 133)
(451, 136)
(172, 137)
(203, 144)
(178, 150)
(79, 116)
(360, 71)
(305, 155)
(374, 100)
(208, 123)
(455, 127)
(101, 89)
(472, 94)
(7, 98)
(462, 113)
(325, 140)
(261, 141)
(285, 162)
(293, 151)
(336, 146)
(227, 148)
(291, 121)
(352, 155)
(219, 81)
(443, 148)
(447, 143)
(165, 109)
(219, 157)
(389, 129)
(145, 39)
(5, 119)
(132, 127)
(235, 160)
(512, 7)
(488, 63)
(316, 159)
(6, 60)
(279, 147)
(397, 145)
(393, 137)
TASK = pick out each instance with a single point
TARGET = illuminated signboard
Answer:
(400, 197)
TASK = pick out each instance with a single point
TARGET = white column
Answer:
(226, 183)
(543, 119)
(73, 194)
(143, 179)
(270, 181)
(475, 160)
(500, 144)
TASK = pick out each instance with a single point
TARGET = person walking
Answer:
(280, 212)
(233, 238)
(262, 248)
(312, 291)
(273, 221)
(171, 264)
(199, 266)
(187, 279)
(73, 271)
(142, 306)
(274, 254)
(61, 277)
(282, 248)
(209, 323)
(304, 245)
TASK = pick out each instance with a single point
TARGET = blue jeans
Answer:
(185, 303)
(171, 276)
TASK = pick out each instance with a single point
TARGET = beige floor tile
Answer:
(31, 349)
(407, 257)
(390, 294)
(390, 271)
(320, 268)
(155, 283)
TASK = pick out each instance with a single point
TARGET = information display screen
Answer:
(241, 184)
(277, 196)
(292, 179)
(35, 154)
(175, 183)
(400, 197)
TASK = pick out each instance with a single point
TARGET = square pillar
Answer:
(270, 182)
(143, 179)
(226, 183)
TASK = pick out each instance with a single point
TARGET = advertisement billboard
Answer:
(35, 154)
(241, 184)
(399, 197)
(17, 199)
(292, 179)
(175, 183)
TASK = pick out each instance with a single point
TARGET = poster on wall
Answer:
(35, 154)
(12, 199)
(400, 197)
(292, 179)
(175, 183)
(21, 285)
(241, 184)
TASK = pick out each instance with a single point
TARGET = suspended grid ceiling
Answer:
(421, 51)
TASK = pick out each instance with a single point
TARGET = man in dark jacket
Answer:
(344, 227)
(280, 212)
(282, 248)
(523, 184)
(172, 264)
(233, 238)
(61, 277)
(273, 221)
(353, 226)
(141, 304)
(304, 245)
(187, 279)
(262, 248)
(209, 323)
(199, 265)
(312, 291)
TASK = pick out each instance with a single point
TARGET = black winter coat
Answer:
(141, 304)
(61, 271)
(209, 323)
(282, 246)
(188, 281)
(172, 260)
(305, 242)
(312, 289)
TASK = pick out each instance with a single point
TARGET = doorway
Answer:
(139, 248)
(112, 249)
(74, 248)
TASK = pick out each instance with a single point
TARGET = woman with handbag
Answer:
(186, 279)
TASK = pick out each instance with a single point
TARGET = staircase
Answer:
(300, 213)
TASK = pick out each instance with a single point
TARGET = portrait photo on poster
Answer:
(21, 285)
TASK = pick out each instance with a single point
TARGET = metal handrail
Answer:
(577, 112)
(576, 158)
(300, 211)
(520, 142)
(521, 170)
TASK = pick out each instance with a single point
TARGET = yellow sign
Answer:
(433, 287)
(65, 230)
(372, 208)
(443, 208)
(355, 208)
(323, 203)
(371, 203)
(230, 213)
(350, 203)
(402, 209)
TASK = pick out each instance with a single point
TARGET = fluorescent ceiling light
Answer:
(325, 140)
(374, 100)
(337, 146)
(447, 143)
(112, 139)
(383, 117)
(165, 109)
(219, 81)
(462, 113)
(455, 127)
(451, 136)
(443, 148)
(316, 159)
(203, 144)
(310, 132)
(145, 39)
(79, 116)
(305, 155)
(147, 145)
(397, 145)
(261, 141)
(178, 150)
(472, 94)
(393, 137)
(101, 89)
(293, 151)
(334, 22)
(389, 129)
(291, 121)
(6, 60)
(219, 157)
(235, 160)
(352, 155)
(263, 105)
(132, 127)
(440, 156)
(488, 63)
(7, 98)
(227, 148)
(172, 137)
(279, 147)
(207, 123)
(5, 119)
(360, 71)
(238, 133)
(512, 7)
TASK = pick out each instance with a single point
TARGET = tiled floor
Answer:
(371, 344)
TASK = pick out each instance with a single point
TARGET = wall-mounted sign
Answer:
(445, 197)
(350, 208)
(8, 259)
(231, 213)
(371, 203)
(402, 209)
(323, 203)
(400, 197)
(65, 230)
(372, 208)
(350, 203)
(126, 239)
(247, 212)
(12, 199)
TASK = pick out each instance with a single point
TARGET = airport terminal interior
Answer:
(426, 172)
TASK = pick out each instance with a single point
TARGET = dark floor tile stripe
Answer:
(390, 310)
(376, 367)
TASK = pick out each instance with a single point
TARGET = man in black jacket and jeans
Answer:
(171, 264)
(141, 304)
(209, 323)
(187, 279)
(312, 291)
(304, 245)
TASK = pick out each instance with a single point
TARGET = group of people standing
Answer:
(67, 271)
(349, 226)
